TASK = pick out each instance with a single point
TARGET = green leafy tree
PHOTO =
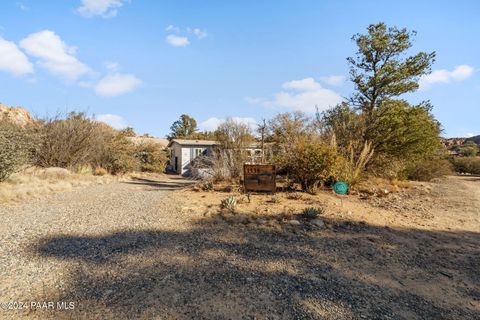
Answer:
(203, 135)
(381, 70)
(342, 125)
(405, 132)
(184, 127)
(468, 149)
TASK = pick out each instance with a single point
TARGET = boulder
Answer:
(318, 222)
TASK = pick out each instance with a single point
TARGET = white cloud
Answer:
(177, 41)
(13, 60)
(200, 34)
(112, 66)
(212, 124)
(103, 8)
(54, 54)
(22, 6)
(303, 95)
(460, 73)
(333, 80)
(117, 84)
(172, 28)
(307, 84)
(112, 120)
(180, 37)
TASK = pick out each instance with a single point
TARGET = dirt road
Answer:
(137, 250)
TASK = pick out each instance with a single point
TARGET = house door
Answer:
(176, 164)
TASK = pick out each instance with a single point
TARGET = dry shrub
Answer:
(429, 169)
(99, 171)
(16, 147)
(468, 165)
(67, 142)
(78, 141)
(228, 161)
(152, 158)
(218, 166)
(354, 168)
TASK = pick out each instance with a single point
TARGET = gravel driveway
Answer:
(133, 250)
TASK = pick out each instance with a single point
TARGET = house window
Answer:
(198, 152)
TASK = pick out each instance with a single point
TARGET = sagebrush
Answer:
(17, 146)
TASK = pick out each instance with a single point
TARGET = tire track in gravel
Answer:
(90, 211)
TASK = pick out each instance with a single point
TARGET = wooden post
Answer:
(263, 140)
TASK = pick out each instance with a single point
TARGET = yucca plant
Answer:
(312, 212)
(229, 203)
(207, 186)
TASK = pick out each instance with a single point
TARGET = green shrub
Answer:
(467, 165)
(469, 149)
(310, 163)
(312, 212)
(429, 169)
(152, 157)
(119, 154)
(16, 146)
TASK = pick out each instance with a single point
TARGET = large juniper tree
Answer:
(184, 127)
(382, 70)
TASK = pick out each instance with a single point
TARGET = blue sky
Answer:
(143, 63)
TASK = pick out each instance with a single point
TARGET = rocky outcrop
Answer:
(17, 115)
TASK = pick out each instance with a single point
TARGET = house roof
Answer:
(193, 142)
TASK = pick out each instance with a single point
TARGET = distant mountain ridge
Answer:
(475, 139)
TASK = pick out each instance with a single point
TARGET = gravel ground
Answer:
(136, 250)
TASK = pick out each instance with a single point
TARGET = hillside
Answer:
(475, 139)
(453, 142)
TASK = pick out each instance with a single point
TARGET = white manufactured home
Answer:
(183, 152)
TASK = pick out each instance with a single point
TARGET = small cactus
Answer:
(229, 203)
(312, 212)
(207, 186)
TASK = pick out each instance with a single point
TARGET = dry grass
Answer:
(36, 182)
(99, 171)
(377, 202)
